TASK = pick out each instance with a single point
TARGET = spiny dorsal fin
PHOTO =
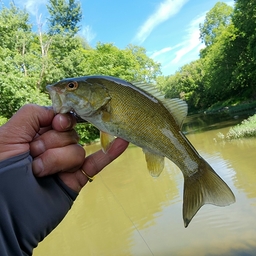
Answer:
(177, 107)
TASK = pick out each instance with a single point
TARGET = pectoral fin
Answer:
(106, 141)
(155, 163)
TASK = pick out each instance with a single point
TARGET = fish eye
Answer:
(72, 86)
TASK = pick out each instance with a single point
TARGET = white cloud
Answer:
(192, 40)
(166, 9)
(164, 50)
(32, 6)
(173, 57)
(88, 33)
(230, 3)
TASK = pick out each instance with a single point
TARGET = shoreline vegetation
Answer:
(229, 107)
(246, 129)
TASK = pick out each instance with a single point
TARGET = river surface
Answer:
(125, 211)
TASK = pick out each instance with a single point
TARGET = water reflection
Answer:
(127, 212)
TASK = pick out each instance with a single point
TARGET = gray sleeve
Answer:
(30, 207)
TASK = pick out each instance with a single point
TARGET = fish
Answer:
(140, 114)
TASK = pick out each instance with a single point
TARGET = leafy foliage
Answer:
(226, 69)
(131, 64)
(216, 20)
(18, 63)
(30, 60)
(3, 120)
(64, 16)
(87, 133)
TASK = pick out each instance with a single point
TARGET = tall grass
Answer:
(244, 130)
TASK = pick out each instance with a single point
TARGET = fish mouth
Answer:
(58, 100)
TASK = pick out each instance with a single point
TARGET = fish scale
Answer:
(140, 114)
(125, 114)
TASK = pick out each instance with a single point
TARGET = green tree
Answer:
(226, 71)
(216, 20)
(245, 45)
(64, 16)
(64, 58)
(29, 61)
(187, 84)
(220, 62)
(18, 62)
(230, 61)
(131, 63)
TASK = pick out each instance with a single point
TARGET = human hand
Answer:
(53, 145)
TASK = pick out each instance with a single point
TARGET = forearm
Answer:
(30, 207)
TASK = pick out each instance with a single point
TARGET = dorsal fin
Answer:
(150, 90)
(177, 107)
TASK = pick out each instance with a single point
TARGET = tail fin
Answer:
(204, 187)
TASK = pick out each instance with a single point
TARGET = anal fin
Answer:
(155, 163)
(106, 141)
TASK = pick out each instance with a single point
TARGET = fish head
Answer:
(78, 95)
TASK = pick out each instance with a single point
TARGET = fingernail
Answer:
(37, 166)
(65, 122)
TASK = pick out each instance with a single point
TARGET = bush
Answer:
(244, 130)
(87, 132)
(3, 120)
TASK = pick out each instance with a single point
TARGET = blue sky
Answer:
(167, 29)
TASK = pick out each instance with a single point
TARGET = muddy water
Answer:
(127, 212)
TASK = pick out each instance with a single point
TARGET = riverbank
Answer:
(231, 106)
(246, 129)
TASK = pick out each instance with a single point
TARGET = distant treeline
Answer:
(29, 59)
(225, 74)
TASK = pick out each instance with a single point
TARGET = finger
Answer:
(97, 161)
(68, 158)
(22, 128)
(63, 122)
(52, 139)
(93, 164)
(43, 130)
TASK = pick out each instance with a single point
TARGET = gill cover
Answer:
(86, 97)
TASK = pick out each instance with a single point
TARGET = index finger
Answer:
(93, 164)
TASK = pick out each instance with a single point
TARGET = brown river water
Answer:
(125, 211)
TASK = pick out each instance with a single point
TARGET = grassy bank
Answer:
(244, 130)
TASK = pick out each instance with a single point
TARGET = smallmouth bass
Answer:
(141, 115)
